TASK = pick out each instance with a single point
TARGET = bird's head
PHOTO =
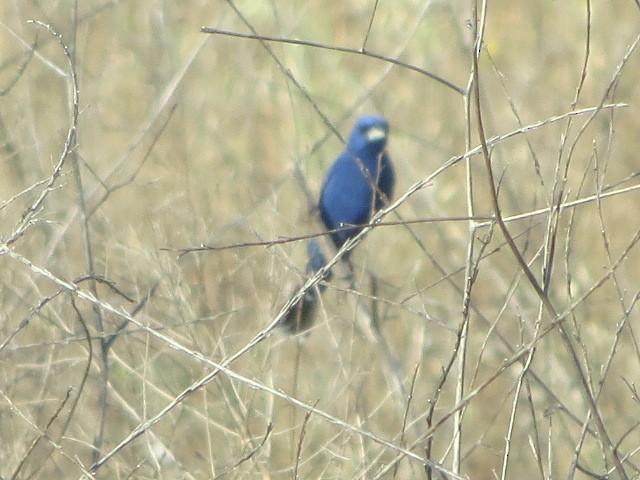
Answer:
(369, 132)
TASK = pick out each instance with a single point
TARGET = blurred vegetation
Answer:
(187, 139)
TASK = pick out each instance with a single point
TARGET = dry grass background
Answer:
(186, 139)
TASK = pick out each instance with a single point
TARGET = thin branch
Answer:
(69, 145)
(249, 454)
(335, 48)
(541, 293)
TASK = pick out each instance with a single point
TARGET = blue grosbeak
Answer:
(360, 181)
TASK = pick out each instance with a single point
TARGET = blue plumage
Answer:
(317, 259)
(360, 181)
(301, 315)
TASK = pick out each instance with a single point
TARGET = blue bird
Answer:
(301, 315)
(359, 182)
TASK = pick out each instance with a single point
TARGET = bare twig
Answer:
(357, 51)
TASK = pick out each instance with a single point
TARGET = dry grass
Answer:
(110, 344)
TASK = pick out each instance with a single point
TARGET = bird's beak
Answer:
(376, 133)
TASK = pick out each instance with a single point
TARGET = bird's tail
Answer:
(301, 315)
(317, 259)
